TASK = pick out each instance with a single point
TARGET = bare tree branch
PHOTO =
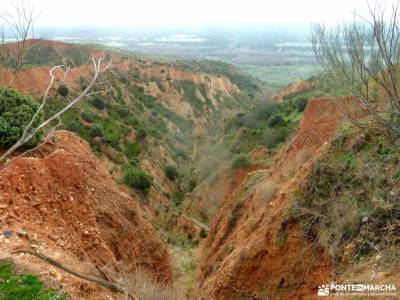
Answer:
(18, 25)
(105, 283)
(362, 58)
(30, 132)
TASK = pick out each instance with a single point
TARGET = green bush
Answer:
(111, 141)
(98, 103)
(123, 111)
(234, 215)
(266, 110)
(16, 111)
(248, 120)
(241, 160)
(141, 133)
(74, 126)
(63, 90)
(192, 184)
(171, 172)
(272, 137)
(96, 131)
(87, 117)
(134, 161)
(138, 179)
(132, 150)
(301, 104)
(178, 197)
(276, 121)
(203, 233)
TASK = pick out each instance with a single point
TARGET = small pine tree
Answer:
(138, 179)
(16, 111)
(63, 90)
(171, 172)
(96, 131)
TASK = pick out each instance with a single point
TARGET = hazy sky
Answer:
(156, 13)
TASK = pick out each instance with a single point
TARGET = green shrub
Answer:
(138, 179)
(96, 131)
(63, 90)
(87, 117)
(266, 110)
(272, 137)
(123, 111)
(74, 126)
(171, 172)
(112, 141)
(132, 150)
(98, 103)
(248, 120)
(192, 184)
(241, 160)
(178, 197)
(16, 111)
(141, 133)
(203, 233)
(234, 215)
(301, 104)
(276, 121)
(134, 161)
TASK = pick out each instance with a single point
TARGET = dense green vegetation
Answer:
(107, 120)
(22, 286)
(246, 83)
(16, 111)
(241, 160)
(352, 195)
(125, 123)
(278, 77)
(268, 124)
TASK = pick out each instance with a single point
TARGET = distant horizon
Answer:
(211, 28)
(186, 14)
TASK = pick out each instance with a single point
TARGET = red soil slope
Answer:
(71, 210)
(34, 81)
(252, 251)
(295, 88)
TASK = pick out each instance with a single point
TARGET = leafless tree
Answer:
(361, 58)
(18, 26)
(21, 24)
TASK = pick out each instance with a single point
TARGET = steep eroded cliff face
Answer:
(63, 203)
(252, 250)
(151, 113)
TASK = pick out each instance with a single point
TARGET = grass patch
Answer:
(240, 161)
(23, 286)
